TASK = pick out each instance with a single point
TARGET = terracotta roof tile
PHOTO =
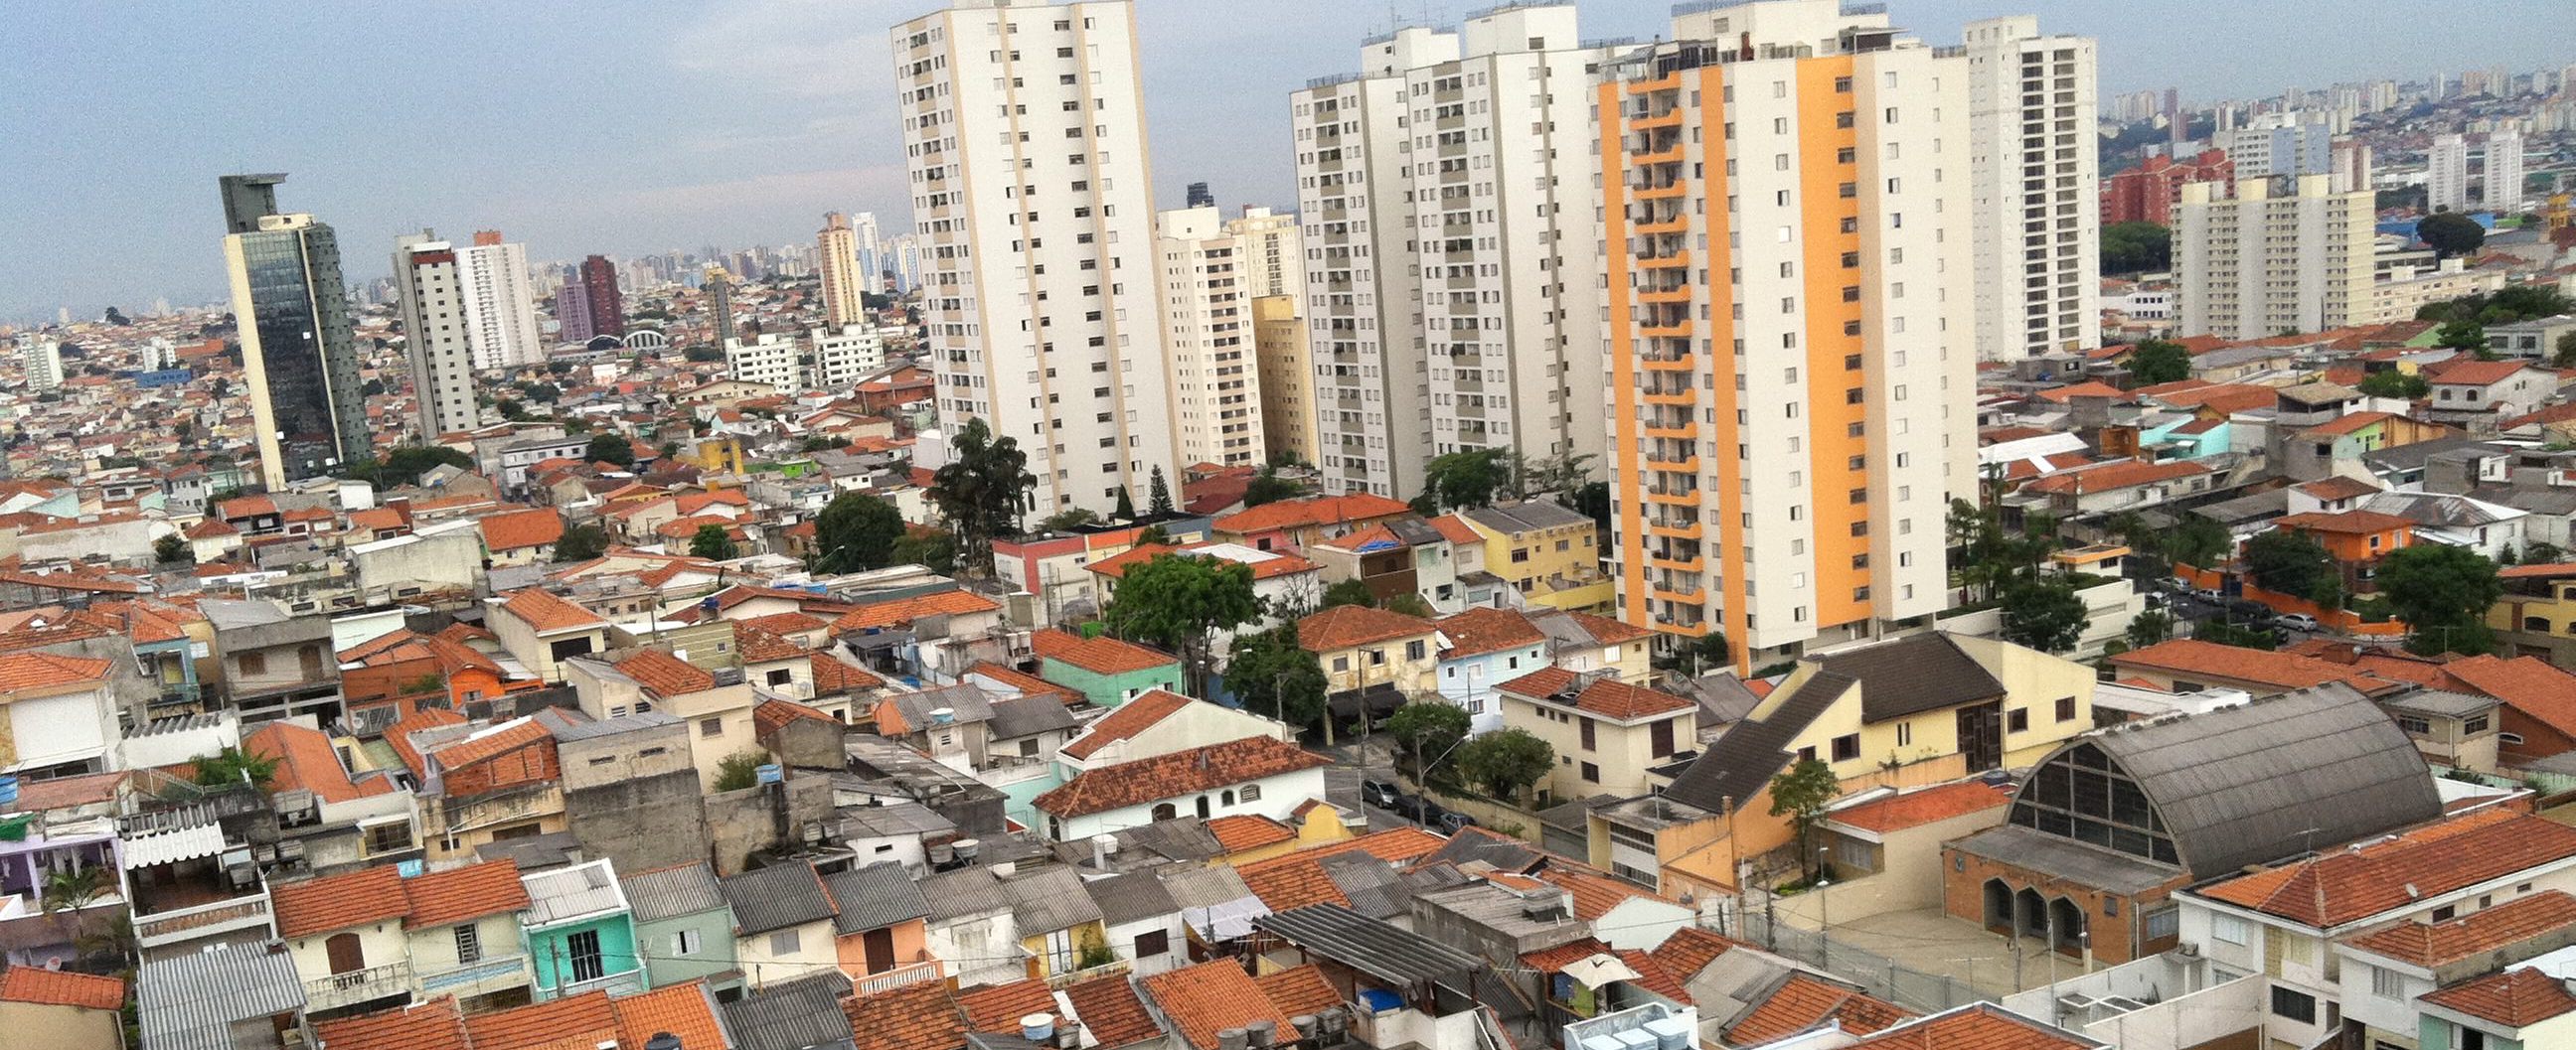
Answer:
(1605, 697)
(2119, 474)
(903, 611)
(399, 734)
(1594, 893)
(1917, 808)
(2349, 522)
(581, 1020)
(2337, 488)
(1127, 720)
(1238, 832)
(445, 898)
(1205, 999)
(2354, 883)
(999, 1007)
(1344, 626)
(772, 714)
(1107, 655)
(1652, 976)
(35, 984)
(666, 675)
(1298, 879)
(433, 1025)
(914, 1017)
(306, 760)
(1690, 949)
(1319, 510)
(834, 676)
(2473, 372)
(1605, 630)
(1806, 1002)
(1455, 529)
(2431, 944)
(1028, 684)
(1482, 630)
(1299, 991)
(546, 614)
(2514, 998)
(497, 741)
(1170, 776)
(2527, 684)
(757, 646)
(1111, 1013)
(337, 902)
(2194, 659)
(22, 672)
(1983, 1026)
(681, 1009)
(1556, 959)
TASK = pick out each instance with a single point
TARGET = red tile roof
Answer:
(757, 646)
(306, 760)
(683, 1010)
(40, 986)
(1212, 996)
(1605, 630)
(2349, 522)
(664, 674)
(2527, 684)
(1127, 720)
(2351, 884)
(2199, 660)
(1104, 654)
(445, 898)
(914, 1017)
(834, 676)
(1983, 1026)
(584, 1020)
(26, 672)
(1605, 697)
(2472, 372)
(773, 714)
(2431, 944)
(1319, 510)
(1297, 879)
(1243, 831)
(546, 614)
(1111, 1013)
(1028, 684)
(1805, 1003)
(493, 742)
(1171, 776)
(2337, 488)
(517, 529)
(2119, 474)
(338, 902)
(2513, 998)
(1482, 630)
(399, 734)
(1690, 949)
(1299, 991)
(999, 1007)
(1917, 808)
(434, 1025)
(2094, 388)
(903, 611)
(1344, 626)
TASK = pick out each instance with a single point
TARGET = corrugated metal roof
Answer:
(687, 889)
(1133, 897)
(1377, 948)
(1049, 900)
(964, 892)
(801, 1014)
(565, 894)
(2065, 858)
(1029, 716)
(176, 844)
(873, 897)
(190, 1002)
(776, 898)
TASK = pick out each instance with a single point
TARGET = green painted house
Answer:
(1106, 671)
(579, 932)
(684, 925)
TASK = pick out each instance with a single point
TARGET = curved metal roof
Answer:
(2275, 777)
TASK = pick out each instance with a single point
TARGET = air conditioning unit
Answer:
(2188, 950)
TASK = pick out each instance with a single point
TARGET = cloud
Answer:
(828, 49)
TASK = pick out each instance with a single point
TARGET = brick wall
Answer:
(1963, 882)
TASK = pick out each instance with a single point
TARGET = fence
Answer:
(1881, 976)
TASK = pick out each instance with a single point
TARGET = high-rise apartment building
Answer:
(1273, 259)
(2502, 181)
(2446, 173)
(719, 288)
(41, 360)
(2280, 143)
(2281, 255)
(868, 246)
(837, 248)
(500, 306)
(2493, 183)
(844, 356)
(770, 358)
(600, 294)
(1452, 235)
(1791, 372)
(291, 314)
(428, 286)
(1209, 343)
(1024, 136)
(2146, 193)
(1283, 360)
(2035, 168)
(572, 310)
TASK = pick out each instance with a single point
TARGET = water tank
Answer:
(943, 716)
(770, 773)
(1259, 1034)
(1380, 1001)
(1230, 1039)
(1637, 1039)
(966, 848)
(1671, 1033)
(818, 588)
(1603, 1042)
(1037, 1028)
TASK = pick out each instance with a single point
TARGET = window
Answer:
(1152, 943)
(1904, 733)
(2446, 913)
(2386, 983)
(2470, 1038)
(587, 963)
(1660, 735)
(2163, 922)
(1163, 811)
(2065, 709)
(1846, 747)
(2017, 720)
(469, 944)
(2227, 928)
(389, 838)
(1413, 650)
(254, 663)
(711, 727)
(1591, 773)
(2416, 724)
(1251, 793)
(783, 942)
(2474, 724)
(2293, 1004)
(686, 942)
(1587, 733)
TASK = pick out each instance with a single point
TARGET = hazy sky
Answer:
(638, 125)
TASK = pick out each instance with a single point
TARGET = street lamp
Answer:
(1824, 917)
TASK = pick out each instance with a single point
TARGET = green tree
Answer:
(2043, 615)
(2542, 553)
(1708, 652)
(1179, 603)
(2393, 383)
(1267, 486)
(2563, 354)
(2450, 234)
(1425, 730)
(931, 549)
(1411, 604)
(1592, 501)
(2292, 563)
(1558, 475)
(373, 388)
(2136, 247)
(982, 491)
(170, 550)
(702, 354)
(2149, 627)
(1158, 494)
(610, 447)
(404, 464)
(2442, 593)
(2463, 334)
(1349, 592)
(1506, 762)
(581, 543)
(856, 532)
(713, 544)
(234, 765)
(2198, 542)
(541, 393)
(1273, 676)
(1068, 520)
(740, 769)
(2157, 361)
(1801, 793)
(1126, 509)
(1463, 479)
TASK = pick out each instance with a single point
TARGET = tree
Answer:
(1593, 501)
(2157, 361)
(2292, 563)
(2136, 247)
(2441, 592)
(2564, 355)
(1158, 494)
(1706, 652)
(713, 544)
(2450, 234)
(1801, 793)
(2395, 384)
(981, 491)
(374, 388)
(702, 354)
(929, 548)
(581, 543)
(233, 765)
(2543, 553)
(1126, 508)
(1267, 486)
(541, 393)
(1067, 520)
(1411, 604)
(1555, 475)
(2198, 542)
(1273, 676)
(2149, 627)
(1463, 479)
(740, 769)
(1349, 592)
(2044, 615)
(1505, 762)
(404, 464)
(610, 447)
(1179, 603)
(170, 549)
(1425, 730)
(2463, 334)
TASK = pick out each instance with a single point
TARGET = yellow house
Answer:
(1372, 658)
(1248, 837)
(1606, 733)
(1547, 552)
(721, 454)
(2537, 614)
(1909, 712)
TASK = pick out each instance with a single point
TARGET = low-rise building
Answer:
(1606, 733)
(580, 933)
(1258, 775)
(1547, 552)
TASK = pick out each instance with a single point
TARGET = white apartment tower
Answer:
(2036, 169)
(1032, 199)
(2503, 179)
(1206, 275)
(42, 360)
(868, 249)
(836, 249)
(428, 285)
(1274, 263)
(769, 358)
(1451, 216)
(2281, 255)
(1791, 365)
(844, 356)
(2446, 174)
(500, 304)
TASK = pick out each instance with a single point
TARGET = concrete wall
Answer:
(1909, 874)
(740, 822)
(61, 1027)
(647, 822)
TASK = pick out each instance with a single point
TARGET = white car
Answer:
(2296, 622)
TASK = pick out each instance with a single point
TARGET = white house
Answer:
(1258, 775)
(57, 714)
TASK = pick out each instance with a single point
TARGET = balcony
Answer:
(1678, 330)
(1667, 82)
(358, 986)
(1665, 295)
(1681, 362)
(1693, 563)
(1676, 530)
(208, 921)
(481, 978)
(1674, 497)
(1668, 397)
(899, 977)
(1685, 465)
(1676, 260)
(1657, 193)
(1682, 593)
(1671, 118)
(1681, 431)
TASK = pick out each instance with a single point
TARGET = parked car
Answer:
(1412, 807)
(1380, 793)
(1454, 822)
(2211, 595)
(2296, 622)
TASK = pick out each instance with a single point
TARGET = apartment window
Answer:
(710, 727)
(2386, 983)
(784, 942)
(469, 944)
(389, 838)
(1250, 793)
(2017, 720)
(1413, 650)
(2474, 724)
(1152, 943)
(2227, 928)
(1846, 747)
(2065, 709)
(2295, 1005)
(1904, 733)
(1587, 733)
(685, 942)
(1591, 773)
(587, 962)
(2162, 922)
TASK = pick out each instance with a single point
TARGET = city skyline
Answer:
(743, 125)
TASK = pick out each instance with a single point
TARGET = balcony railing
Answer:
(201, 921)
(489, 975)
(899, 977)
(358, 986)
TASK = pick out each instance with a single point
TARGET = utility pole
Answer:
(2013, 940)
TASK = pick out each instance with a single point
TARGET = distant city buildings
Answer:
(1203, 270)
(297, 347)
(42, 358)
(500, 313)
(2147, 193)
(2279, 255)
(2494, 183)
(836, 251)
(601, 299)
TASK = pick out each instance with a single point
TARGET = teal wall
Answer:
(2432, 1033)
(1109, 690)
(616, 947)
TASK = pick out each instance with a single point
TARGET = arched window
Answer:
(1203, 807)
(1164, 811)
(1227, 798)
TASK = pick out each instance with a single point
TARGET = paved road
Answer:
(1342, 781)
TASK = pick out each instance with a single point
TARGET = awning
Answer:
(1380, 700)
(1594, 971)
(172, 846)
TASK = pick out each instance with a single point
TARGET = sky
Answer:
(637, 126)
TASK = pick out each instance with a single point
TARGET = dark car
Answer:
(1380, 793)
(1411, 807)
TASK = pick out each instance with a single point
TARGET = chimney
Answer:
(1258, 1034)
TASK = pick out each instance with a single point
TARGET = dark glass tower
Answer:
(291, 313)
